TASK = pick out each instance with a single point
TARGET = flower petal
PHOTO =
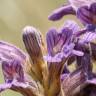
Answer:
(52, 39)
(72, 25)
(78, 53)
(88, 37)
(55, 70)
(71, 82)
(21, 87)
(85, 15)
(56, 39)
(10, 51)
(65, 53)
(57, 14)
(33, 44)
(32, 40)
(12, 70)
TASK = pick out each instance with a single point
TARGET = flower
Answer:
(38, 74)
(87, 14)
(18, 68)
(78, 84)
(83, 9)
(29, 73)
(59, 47)
(60, 44)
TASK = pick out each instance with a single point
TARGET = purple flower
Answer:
(60, 44)
(85, 10)
(12, 60)
(87, 14)
(18, 68)
(78, 84)
(29, 74)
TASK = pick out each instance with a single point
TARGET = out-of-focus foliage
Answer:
(15, 14)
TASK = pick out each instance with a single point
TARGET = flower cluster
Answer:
(39, 74)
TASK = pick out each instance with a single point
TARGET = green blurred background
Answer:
(16, 14)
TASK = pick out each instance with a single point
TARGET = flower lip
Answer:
(64, 46)
(65, 53)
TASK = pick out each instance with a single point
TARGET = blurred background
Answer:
(16, 14)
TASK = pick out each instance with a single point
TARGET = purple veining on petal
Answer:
(72, 25)
(12, 70)
(78, 53)
(67, 48)
(55, 40)
(84, 15)
(12, 50)
(32, 41)
(57, 14)
(70, 28)
(72, 81)
(4, 55)
(80, 32)
(65, 52)
(87, 14)
(59, 44)
(51, 39)
(88, 37)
